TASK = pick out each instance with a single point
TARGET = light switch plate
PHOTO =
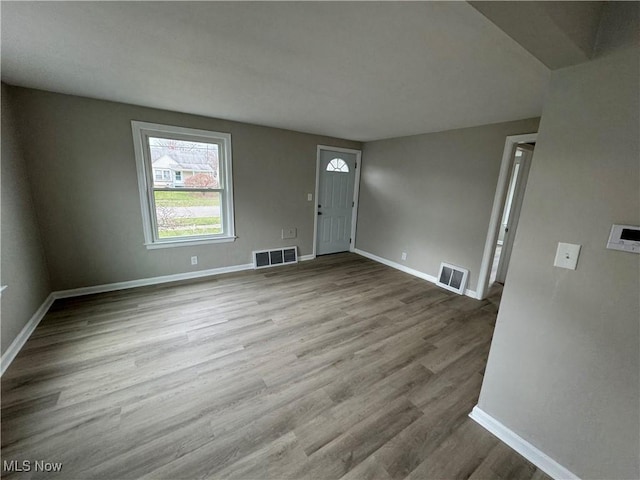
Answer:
(567, 256)
(309, 197)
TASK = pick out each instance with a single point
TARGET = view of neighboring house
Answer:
(183, 164)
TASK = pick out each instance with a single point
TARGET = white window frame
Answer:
(141, 132)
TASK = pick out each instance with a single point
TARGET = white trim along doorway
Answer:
(499, 200)
(322, 150)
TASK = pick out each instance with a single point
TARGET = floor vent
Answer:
(452, 278)
(274, 257)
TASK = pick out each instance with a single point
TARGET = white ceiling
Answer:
(358, 70)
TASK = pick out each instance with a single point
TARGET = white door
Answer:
(513, 205)
(336, 183)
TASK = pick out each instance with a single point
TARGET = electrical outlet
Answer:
(194, 260)
(404, 256)
(289, 233)
(309, 197)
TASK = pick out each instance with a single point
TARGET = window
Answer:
(162, 175)
(338, 165)
(200, 209)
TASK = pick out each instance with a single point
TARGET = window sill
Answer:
(188, 243)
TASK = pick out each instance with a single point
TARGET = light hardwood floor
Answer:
(334, 368)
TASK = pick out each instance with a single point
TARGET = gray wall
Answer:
(22, 260)
(431, 195)
(564, 363)
(557, 33)
(81, 164)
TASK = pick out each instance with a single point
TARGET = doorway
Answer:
(511, 213)
(492, 255)
(337, 180)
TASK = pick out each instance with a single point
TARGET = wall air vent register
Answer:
(452, 278)
(275, 257)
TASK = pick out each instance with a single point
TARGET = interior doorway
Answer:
(492, 255)
(520, 165)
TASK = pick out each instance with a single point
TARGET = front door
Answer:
(336, 182)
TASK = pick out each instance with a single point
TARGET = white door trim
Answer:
(514, 215)
(498, 207)
(356, 194)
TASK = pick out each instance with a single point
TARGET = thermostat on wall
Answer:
(625, 238)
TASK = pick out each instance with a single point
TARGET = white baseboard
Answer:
(24, 334)
(143, 282)
(111, 287)
(520, 445)
(410, 271)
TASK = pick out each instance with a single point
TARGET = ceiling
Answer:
(356, 70)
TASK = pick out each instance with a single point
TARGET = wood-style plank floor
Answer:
(334, 368)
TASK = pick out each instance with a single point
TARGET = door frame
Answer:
(516, 207)
(356, 193)
(498, 206)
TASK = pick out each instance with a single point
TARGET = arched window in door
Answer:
(338, 165)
